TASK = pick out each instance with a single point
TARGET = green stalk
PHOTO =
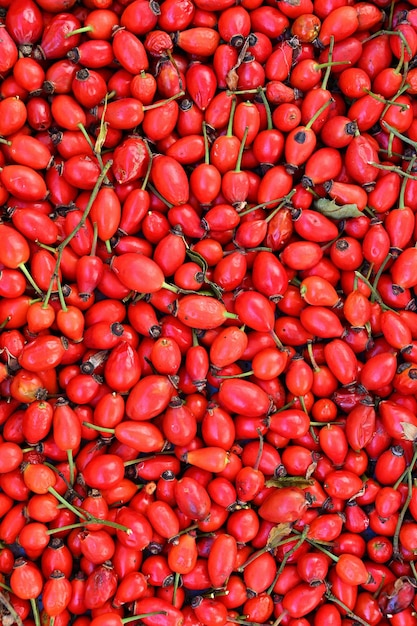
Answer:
(29, 278)
(81, 223)
(390, 32)
(9, 607)
(93, 520)
(148, 169)
(329, 59)
(4, 323)
(67, 505)
(342, 605)
(318, 113)
(229, 132)
(265, 102)
(379, 272)
(283, 200)
(407, 470)
(79, 31)
(375, 294)
(388, 103)
(396, 538)
(241, 148)
(71, 466)
(35, 611)
(401, 198)
(132, 618)
(158, 195)
(60, 294)
(161, 103)
(176, 583)
(206, 145)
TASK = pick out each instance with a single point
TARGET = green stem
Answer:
(195, 337)
(145, 458)
(45, 247)
(382, 100)
(206, 145)
(401, 60)
(158, 195)
(161, 103)
(283, 200)
(243, 92)
(269, 124)
(102, 429)
(241, 148)
(330, 64)
(397, 133)
(93, 520)
(10, 609)
(35, 611)
(407, 470)
(29, 278)
(176, 583)
(148, 169)
(229, 132)
(401, 198)
(391, 14)
(311, 356)
(132, 618)
(67, 505)
(286, 406)
(242, 375)
(95, 236)
(79, 31)
(379, 273)
(86, 136)
(244, 622)
(318, 113)
(287, 555)
(329, 60)
(260, 450)
(344, 606)
(397, 33)
(374, 292)
(172, 288)
(176, 68)
(396, 538)
(80, 224)
(319, 546)
(71, 466)
(5, 587)
(277, 341)
(60, 294)
(5, 322)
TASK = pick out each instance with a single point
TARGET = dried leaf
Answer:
(329, 208)
(409, 430)
(101, 138)
(277, 533)
(232, 79)
(311, 469)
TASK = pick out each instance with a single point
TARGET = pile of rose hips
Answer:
(208, 343)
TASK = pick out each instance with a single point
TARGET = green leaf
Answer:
(197, 258)
(329, 208)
